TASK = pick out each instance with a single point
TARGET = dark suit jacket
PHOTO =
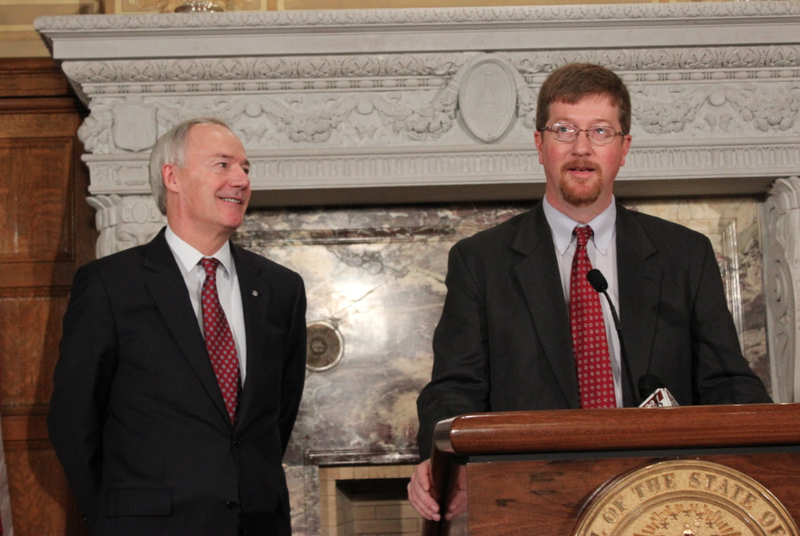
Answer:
(137, 418)
(504, 344)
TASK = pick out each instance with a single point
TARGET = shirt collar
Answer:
(188, 257)
(562, 226)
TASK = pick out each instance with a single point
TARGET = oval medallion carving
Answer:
(685, 498)
(487, 99)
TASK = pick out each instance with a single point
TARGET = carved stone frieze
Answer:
(782, 278)
(120, 125)
(724, 111)
(392, 72)
(718, 109)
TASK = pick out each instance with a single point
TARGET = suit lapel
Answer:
(255, 297)
(168, 290)
(639, 282)
(538, 276)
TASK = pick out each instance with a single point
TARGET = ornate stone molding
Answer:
(782, 267)
(288, 33)
(712, 64)
(345, 20)
(718, 100)
(394, 100)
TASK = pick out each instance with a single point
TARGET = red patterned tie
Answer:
(219, 340)
(595, 379)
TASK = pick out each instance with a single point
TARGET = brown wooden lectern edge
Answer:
(624, 429)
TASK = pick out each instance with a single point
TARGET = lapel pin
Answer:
(255, 293)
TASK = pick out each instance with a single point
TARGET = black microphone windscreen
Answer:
(648, 385)
(597, 280)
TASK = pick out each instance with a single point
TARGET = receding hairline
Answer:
(220, 154)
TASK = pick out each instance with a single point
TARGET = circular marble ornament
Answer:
(324, 346)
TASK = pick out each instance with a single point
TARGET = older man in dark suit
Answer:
(522, 329)
(182, 362)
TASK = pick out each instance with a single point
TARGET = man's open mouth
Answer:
(579, 167)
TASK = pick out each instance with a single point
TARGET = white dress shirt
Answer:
(230, 296)
(602, 251)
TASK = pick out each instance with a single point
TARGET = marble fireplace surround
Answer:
(437, 105)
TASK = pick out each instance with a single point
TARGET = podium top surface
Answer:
(620, 429)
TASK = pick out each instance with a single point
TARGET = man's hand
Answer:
(419, 492)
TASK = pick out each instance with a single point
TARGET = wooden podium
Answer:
(541, 473)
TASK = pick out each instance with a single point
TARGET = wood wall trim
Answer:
(32, 77)
(38, 105)
(24, 428)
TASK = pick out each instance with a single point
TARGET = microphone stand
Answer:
(599, 283)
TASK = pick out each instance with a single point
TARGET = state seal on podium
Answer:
(685, 498)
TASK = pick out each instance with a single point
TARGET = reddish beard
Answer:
(580, 193)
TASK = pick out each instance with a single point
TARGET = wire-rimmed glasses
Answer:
(598, 135)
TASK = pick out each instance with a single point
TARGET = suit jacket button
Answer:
(237, 443)
(232, 505)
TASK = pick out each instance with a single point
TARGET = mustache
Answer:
(579, 163)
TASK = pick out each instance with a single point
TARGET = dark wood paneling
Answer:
(23, 121)
(46, 232)
(29, 351)
(36, 199)
(41, 501)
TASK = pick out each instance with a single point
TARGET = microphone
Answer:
(597, 280)
(599, 283)
(655, 395)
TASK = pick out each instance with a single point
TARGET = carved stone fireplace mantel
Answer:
(438, 104)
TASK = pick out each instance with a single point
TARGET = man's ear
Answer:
(626, 145)
(537, 139)
(169, 176)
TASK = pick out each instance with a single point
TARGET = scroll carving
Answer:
(782, 258)
(125, 221)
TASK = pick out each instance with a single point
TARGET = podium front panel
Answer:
(545, 497)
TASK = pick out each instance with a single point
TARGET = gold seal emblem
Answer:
(685, 498)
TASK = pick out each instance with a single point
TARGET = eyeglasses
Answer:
(564, 132)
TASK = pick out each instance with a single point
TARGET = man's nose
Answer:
(582, 145)
(241, 179)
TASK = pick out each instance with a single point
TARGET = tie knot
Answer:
(210, 266)
(584, 234)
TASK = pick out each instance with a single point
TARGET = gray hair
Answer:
(171, 149)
